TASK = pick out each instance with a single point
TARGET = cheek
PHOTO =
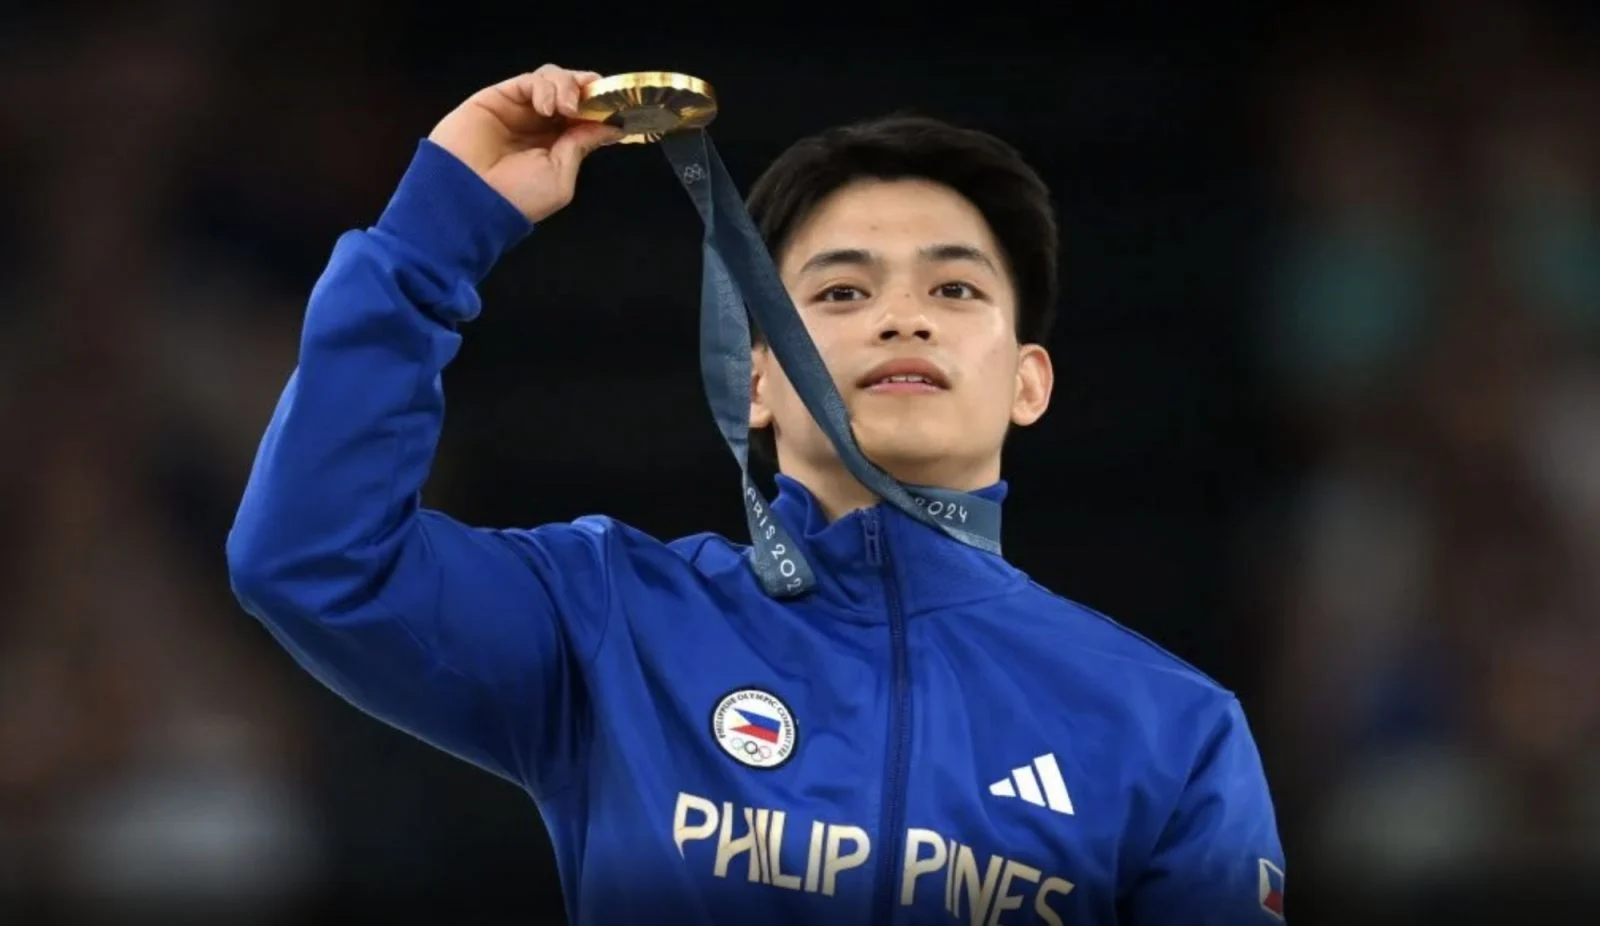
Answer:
(832, 339)
(999, 379)
(781, 395)
(779, 390)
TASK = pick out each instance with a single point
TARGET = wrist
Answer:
(445, 211)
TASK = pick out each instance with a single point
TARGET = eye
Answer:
(957, 291)
(840, 294)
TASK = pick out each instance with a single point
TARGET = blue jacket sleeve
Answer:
(1218, 861)
(472, 640)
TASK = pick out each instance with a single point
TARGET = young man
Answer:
(925, 734)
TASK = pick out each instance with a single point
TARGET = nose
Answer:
(902, 319)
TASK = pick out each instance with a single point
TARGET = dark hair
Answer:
(984, 170)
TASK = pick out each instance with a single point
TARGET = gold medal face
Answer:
(646, 105)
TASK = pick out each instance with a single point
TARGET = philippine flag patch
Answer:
(754, 727)
(1271, 888)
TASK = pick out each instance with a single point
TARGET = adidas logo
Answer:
(1039, 784)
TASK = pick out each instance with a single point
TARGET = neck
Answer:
(838, 492)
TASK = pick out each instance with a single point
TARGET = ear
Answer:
(1036, 378)
(760, 412)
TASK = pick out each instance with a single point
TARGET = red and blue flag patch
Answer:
(1271, 888)
(759, 726)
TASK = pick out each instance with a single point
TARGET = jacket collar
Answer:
(876, 557)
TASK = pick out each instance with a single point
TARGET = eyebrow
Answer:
(933, 253)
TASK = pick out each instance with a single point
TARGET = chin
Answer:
(914, 460)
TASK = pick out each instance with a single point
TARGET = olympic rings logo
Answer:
(753, 749)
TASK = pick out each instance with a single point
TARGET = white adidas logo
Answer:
(1046, 789)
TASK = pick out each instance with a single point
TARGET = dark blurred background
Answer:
(1327, 425)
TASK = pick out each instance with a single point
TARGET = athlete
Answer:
(924, 735)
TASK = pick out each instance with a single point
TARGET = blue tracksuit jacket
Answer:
(929, 737)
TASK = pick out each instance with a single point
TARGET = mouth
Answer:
(905, 377)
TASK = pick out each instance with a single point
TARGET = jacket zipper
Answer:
(899, 729)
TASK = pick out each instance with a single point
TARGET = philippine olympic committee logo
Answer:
(755, 728)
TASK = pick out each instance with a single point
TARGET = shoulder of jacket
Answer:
(703, 551)
(1106, 636)
(614, 537)
(706, 547)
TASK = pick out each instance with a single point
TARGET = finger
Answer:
(543, 94)
(580, 80)
(520, 88)
(570, 85)
(548, 89)
(567, 93)
(577, 143)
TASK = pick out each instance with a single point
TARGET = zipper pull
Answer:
(869, 527)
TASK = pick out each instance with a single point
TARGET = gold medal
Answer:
(646, 105)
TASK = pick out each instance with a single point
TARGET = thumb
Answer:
(578, 142)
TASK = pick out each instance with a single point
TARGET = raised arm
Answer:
(473, 640)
